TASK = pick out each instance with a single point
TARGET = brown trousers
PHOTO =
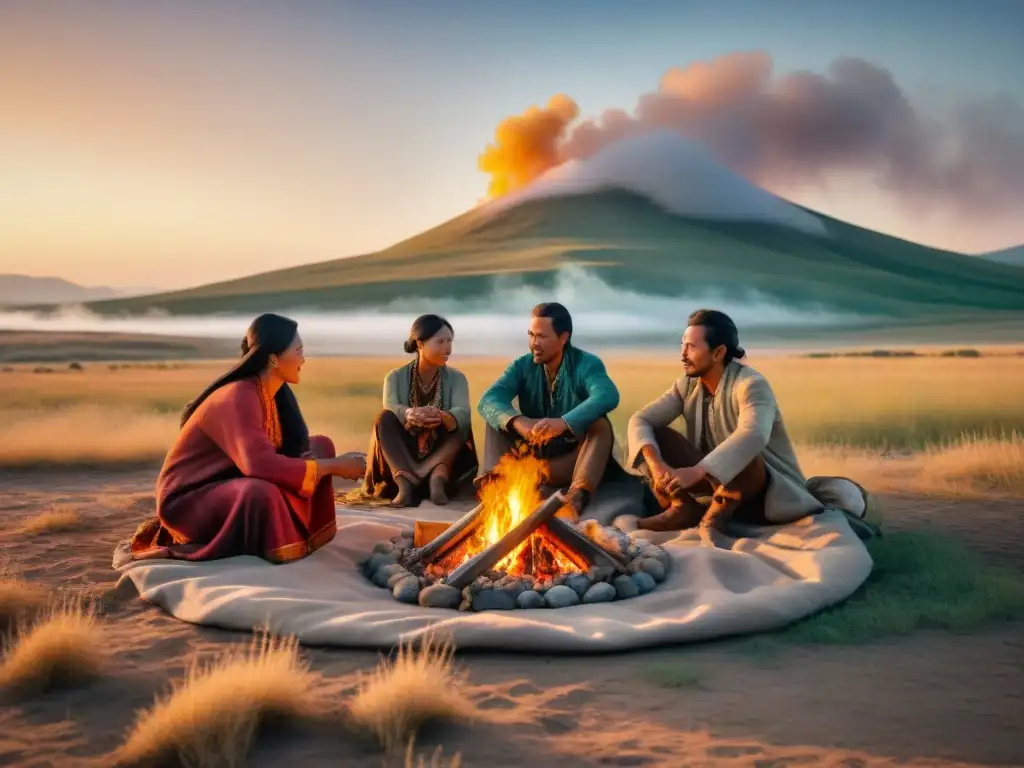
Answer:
(748, 487)
(393, 454)
(574, 463)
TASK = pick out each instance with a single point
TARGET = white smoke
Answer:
(678, 174)
(603, 316)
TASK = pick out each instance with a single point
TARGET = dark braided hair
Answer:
(268, 335)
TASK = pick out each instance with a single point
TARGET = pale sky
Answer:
(166, 144)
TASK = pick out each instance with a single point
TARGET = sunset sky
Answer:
(166, 144)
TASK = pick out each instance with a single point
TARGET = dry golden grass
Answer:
(20, 601)
(437, 759)
(972, 466)
(416, 687)
(56, 520)
(211, 718)
(64, 646)
(851, 414)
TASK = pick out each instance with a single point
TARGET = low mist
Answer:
(603, 317)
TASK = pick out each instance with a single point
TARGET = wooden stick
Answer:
(468, 572)
(578, 559)
(451, 538)
(573, 539)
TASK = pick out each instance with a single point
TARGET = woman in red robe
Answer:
(244, 477)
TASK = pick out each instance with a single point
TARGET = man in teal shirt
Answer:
(565, 396)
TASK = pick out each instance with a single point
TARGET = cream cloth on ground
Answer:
(782, 574)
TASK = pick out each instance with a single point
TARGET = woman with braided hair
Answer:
(423, 437)
(243, 476)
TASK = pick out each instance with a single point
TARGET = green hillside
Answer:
(1014, 256)
(632, 245)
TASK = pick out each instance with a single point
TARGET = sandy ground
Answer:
(931, 699)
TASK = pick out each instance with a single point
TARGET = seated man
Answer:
(733, 445)
(564, 397)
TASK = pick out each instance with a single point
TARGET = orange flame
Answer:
(508, 499)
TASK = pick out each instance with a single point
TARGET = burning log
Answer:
(451, 538)
(578, 544)
(465, 574)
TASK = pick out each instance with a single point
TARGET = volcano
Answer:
(652, 215)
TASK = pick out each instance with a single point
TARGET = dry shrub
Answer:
(19, 601)
(437, 759)
(416, 687)
(64, 646)
(211, 718)
(56, 520)
(971, 466)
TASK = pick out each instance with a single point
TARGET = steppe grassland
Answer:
(927, 423)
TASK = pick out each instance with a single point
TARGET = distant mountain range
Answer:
(654, 218)
(19, 290)
(1014, 256)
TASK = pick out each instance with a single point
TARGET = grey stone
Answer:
(494, 600)
(385, 572)
(662, 556)
(644, 582)
(440, 596)
(600, 573)
(632, 550)
(397, 577)
(377, 560)
(653, 567)
(466, 605)
(513, 586)
(383, 546)
(635, 565)
(578, 583)
(407, 590)
(601, 592)
(530, 599)
(561, 596)
(625, 587)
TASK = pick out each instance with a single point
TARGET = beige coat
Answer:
(745, 422)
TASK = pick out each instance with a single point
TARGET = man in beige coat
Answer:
(732, 445)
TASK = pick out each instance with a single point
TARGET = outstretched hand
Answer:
(351, 466)
(546, 430)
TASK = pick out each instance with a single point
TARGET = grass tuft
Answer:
(64, 646)
(402, 694)
(211, 718)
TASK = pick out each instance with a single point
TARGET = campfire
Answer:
(513, 550)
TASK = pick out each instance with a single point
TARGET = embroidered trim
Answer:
(300, 549)
(309, 479)
(271, 418)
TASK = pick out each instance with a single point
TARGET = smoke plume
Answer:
(794, 128)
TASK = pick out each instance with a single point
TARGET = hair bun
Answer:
(741, 352)
(409, 346)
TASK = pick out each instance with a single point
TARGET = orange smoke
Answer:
(526, 145)
(783, 130)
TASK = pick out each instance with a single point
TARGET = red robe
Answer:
(224, 489)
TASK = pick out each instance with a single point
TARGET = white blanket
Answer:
(777, 576)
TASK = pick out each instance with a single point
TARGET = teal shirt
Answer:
(583, 392)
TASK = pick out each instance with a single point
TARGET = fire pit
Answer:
(513, 551)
